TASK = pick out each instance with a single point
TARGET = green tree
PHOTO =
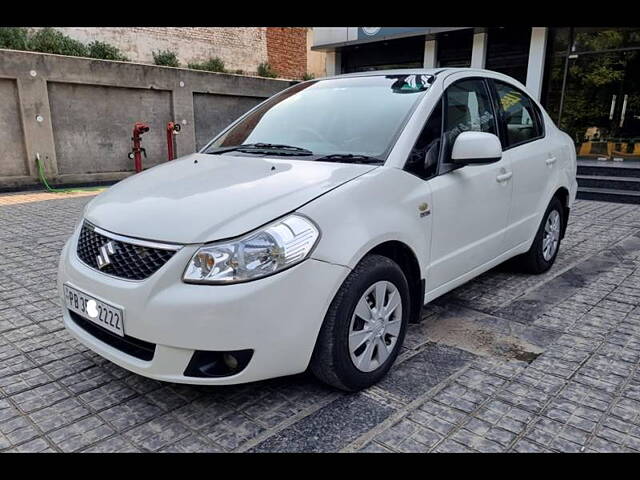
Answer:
(593, 79)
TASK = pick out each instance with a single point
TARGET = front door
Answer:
(470, 204)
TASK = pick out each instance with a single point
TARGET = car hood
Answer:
(201, 198)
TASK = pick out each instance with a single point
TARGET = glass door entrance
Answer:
(600, 107)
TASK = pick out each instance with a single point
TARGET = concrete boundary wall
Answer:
(77, 114)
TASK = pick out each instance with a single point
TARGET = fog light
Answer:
(217, 364)
(230, 361)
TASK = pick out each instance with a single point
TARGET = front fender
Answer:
(375, 208)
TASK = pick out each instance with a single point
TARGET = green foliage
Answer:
(264, 70)
(592, 80)
(166, 58)
(214, 64)
(308, 76)
(105, 51)
(601, 40)
(14, 38)
(50, 40)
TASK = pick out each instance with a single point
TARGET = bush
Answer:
(105, 51)
(239, 72)
(50, 40)
(212, 65)
(165, 58)
(14, 38)
(308, 76)
(264, 70)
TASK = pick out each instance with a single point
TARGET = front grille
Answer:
(128, 260)
(129, 345)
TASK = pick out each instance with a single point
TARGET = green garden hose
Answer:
(60, 190)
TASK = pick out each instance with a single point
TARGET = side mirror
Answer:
(476, 148)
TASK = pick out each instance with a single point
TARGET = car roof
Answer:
(431, 71)
(409, 71)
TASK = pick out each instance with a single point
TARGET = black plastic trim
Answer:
(211, 364)
(131, 346)
(418, 304)
(567, 210)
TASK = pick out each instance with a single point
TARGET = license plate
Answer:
(94, 310)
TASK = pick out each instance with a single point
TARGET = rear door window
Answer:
(521, 119)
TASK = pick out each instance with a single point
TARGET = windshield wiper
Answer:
(273, 148)
(349, 158)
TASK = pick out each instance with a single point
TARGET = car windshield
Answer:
(343, 117)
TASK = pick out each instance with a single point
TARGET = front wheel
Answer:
(544, 250)
(364, 327)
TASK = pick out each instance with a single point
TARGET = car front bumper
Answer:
(278, 317)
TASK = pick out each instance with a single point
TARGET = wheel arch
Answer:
(562, 194)
(405, 257)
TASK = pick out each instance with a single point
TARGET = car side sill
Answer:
(447, 287)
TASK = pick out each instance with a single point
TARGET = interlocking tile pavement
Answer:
(505, 363)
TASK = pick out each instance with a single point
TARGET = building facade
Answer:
(588, 79)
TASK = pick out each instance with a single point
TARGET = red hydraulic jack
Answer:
(172, 129)
(138, 129)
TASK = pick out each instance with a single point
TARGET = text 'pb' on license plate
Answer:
(94, 310)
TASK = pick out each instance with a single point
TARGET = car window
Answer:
(423, 158)
(518, 111)
(468, 108)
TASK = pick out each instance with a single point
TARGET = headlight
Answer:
(258, 254)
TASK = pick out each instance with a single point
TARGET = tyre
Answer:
(545, 246)
(364, 326)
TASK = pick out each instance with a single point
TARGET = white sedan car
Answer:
(310, 231)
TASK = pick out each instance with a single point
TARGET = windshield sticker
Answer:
(411, 83)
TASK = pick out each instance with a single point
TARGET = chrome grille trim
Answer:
(133, 260)
(131, 240)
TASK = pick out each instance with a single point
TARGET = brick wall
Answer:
(287, 51)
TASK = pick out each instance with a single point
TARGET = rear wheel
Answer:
(364, 327)
(544, 250)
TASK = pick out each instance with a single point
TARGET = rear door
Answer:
(531, 158)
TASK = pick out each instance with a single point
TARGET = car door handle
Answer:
(550, 160)
(503, 177)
